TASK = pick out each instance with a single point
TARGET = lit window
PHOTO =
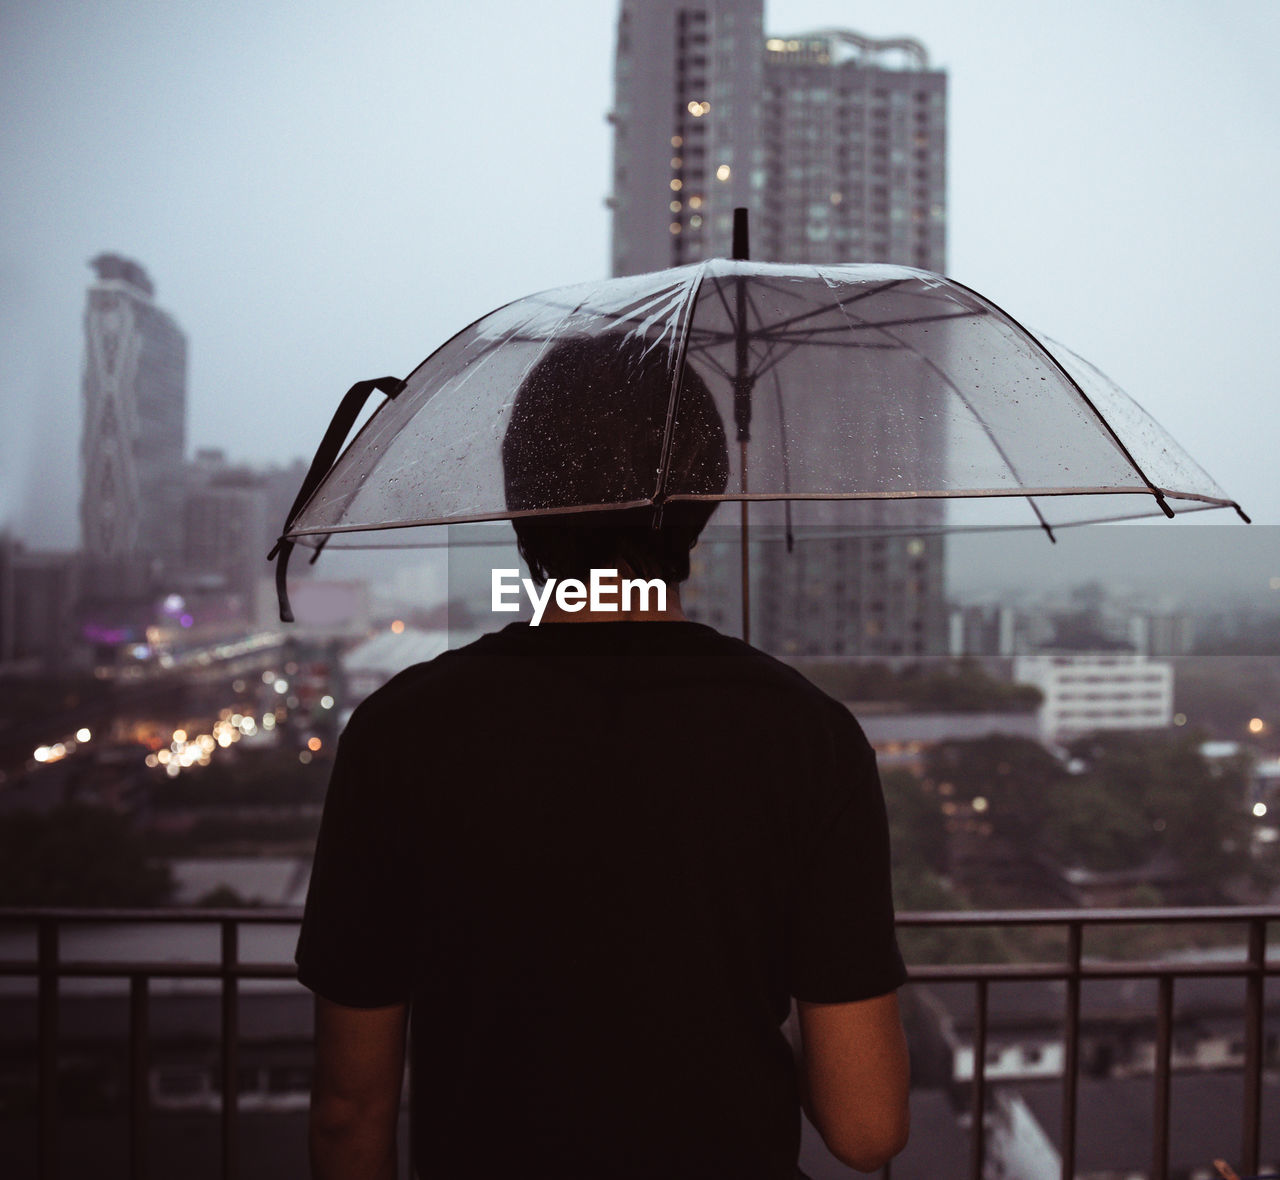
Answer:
(677, 141)
(674, 206)
(677, 162)
(695, 202)
(695, 221)
(723, 172)
(676, 185)
(675, 227)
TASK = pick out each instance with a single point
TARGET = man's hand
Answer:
(856, 1074)
(355, 1096)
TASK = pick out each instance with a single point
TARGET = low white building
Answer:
(1088, 691)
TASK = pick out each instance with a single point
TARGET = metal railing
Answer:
(49, 967)
(1074, 969)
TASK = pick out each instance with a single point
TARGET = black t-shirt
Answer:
(599, 858)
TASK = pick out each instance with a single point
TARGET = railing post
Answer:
(230, 1049)
(139, 1096)
(47, 1019)
(1251, 1134)
(1071, 1056)
(1163, 1079)
(978, 1096)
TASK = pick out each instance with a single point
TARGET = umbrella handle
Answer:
(344, 419)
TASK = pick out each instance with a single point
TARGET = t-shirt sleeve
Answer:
(843, 945)
(356, 943)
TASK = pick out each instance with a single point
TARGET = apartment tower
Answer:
(836, 143)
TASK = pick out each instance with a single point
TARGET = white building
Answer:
(836, 143)
(1088, 691)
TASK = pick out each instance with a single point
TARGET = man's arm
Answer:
(855, 1077)
(355, 1095)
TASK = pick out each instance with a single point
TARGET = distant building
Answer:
(134, 428)
(226, 526)
(1171, 633)
(836, 142)
(687, 85)
(982, 630)
(1088, 691)
(854, 137)
(37, 607)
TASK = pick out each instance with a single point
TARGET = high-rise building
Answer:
(836, 143)
(685, 119)
(134, 432)
(226, 530)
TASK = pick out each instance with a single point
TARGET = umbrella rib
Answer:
(969, 406)
(720, 336)
(814, 533)
(991, 436)
(1053, 360)
(688, 306)
(767, 361)
(861, 295)
(842, 304)
(933, 494)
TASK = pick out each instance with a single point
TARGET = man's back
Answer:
(600, 859)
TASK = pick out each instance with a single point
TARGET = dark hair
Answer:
(587, 428)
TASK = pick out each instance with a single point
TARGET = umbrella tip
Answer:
(1241, 513)
(741, 241)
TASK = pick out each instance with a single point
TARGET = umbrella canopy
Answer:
(860, 395)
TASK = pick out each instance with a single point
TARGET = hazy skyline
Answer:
(323, 193)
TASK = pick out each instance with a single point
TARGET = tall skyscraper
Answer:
(836, 143)
(854, 136)
(685, 122)
(134, 389)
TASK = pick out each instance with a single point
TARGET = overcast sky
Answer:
(323, 192)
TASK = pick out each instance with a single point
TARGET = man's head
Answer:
(587, 428)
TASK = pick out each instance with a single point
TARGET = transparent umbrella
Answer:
(851, 397)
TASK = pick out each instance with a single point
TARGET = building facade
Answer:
(226, 526)
(37, 603)
(836, 144)
(1089, 691)
(685, 118)
(854, 139)
(134, 389)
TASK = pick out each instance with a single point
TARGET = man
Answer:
(598, 858)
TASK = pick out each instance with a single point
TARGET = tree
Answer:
(1013, 775)
(917, 828)
(77, 856)
(1146, 795)
(946, 686)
